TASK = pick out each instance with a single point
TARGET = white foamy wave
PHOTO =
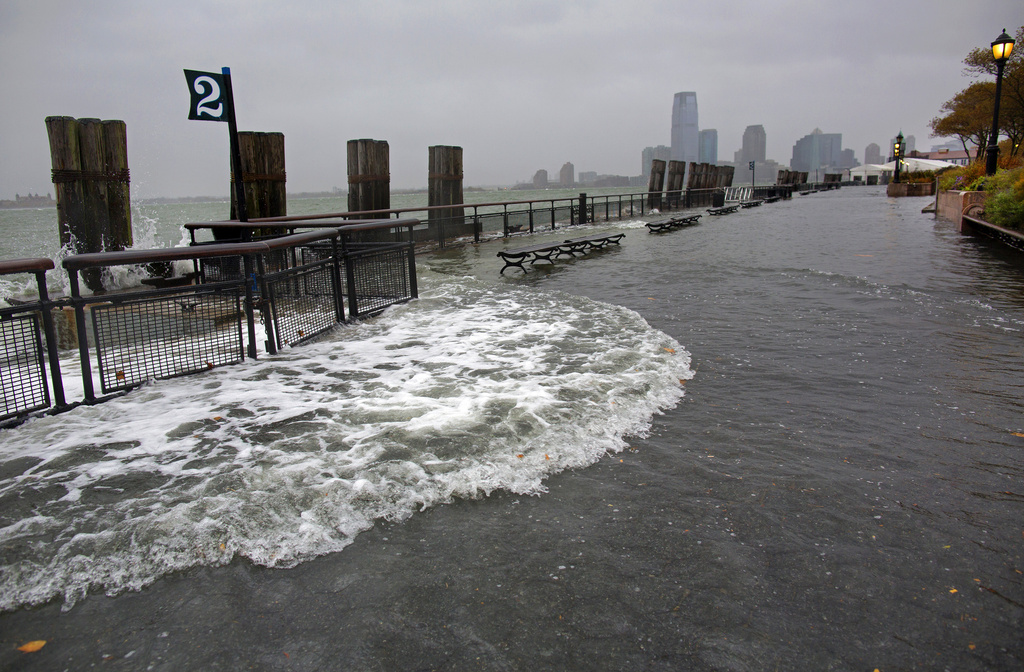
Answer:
(470, 389)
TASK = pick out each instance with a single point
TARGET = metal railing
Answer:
(24, 329)
(477, 221)
(295, 286)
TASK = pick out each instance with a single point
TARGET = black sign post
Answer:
(753, 182)
(212, 100)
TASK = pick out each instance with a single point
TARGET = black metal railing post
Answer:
(336, 262)
(414, 291)
(50, 333)
(89, 391)
(250, 317)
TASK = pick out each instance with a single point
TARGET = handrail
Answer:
(125, 257)
(10, 266)
(297, 222)
(96, 259)
(300, 238)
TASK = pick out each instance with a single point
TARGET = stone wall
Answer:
(950, 205)
(910, 189)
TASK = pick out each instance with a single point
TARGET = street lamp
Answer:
(897, 153)
(1001, 50)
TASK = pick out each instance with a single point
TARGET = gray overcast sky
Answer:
(519, 84)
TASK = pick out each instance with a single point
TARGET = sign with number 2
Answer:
(208, 96)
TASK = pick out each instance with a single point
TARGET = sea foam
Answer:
(470, 389)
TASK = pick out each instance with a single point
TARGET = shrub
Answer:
(963, 178)
(1006, 210)
(1005, 205)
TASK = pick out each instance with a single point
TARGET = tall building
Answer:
(817, 152)
(567, 175)
(873, 154)
(649, 154)
(685, 132)
(754, 144)
(540, 179)
(707, 146)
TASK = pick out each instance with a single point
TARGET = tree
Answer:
(979, 63)
(968, 116)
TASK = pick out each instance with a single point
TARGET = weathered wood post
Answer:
(89, 158)
(674, 183)
(583, 208)
(655, 184)
(263, 175)
(115, 164)
(369, 176)
(444, 187)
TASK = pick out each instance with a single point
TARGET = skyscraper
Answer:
(567, 175)
(660, 152)
(817, 151)
(873, 154)
(754, 143)
(708, 146)
(685, 131)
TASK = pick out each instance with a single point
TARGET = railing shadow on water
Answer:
(296, 286)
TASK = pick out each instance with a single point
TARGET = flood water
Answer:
(790, 438)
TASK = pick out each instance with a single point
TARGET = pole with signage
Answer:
(212, 100)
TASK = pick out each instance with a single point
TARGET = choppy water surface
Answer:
(470, 389)
(840, 488)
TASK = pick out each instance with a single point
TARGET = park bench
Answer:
(663, 225)
(549, 251)
(751, 204)
(724, 210)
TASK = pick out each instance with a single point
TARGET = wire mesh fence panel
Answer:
(220, 269)
(380, 276)
(22, 374)
(167, 335)
(304, 300)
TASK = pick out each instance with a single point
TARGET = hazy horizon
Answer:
(520, 86)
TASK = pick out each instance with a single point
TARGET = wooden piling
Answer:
(94, 190)
(89, 158)
(66, 161)
(369, 176)
(444, 186)
(263, 175)
(655, 184)
(674, 183)
(115, 163)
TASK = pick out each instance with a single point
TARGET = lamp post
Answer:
(897, 153)
(1001, 50)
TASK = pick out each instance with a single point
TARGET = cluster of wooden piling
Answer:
(709, 176)
(444, 183)
(89, 158)
(700, 176)
(787, 177)
(369, 175)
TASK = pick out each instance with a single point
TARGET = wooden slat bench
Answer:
(549, 251)
(724, 210)
(672, 223)
(751, 204)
